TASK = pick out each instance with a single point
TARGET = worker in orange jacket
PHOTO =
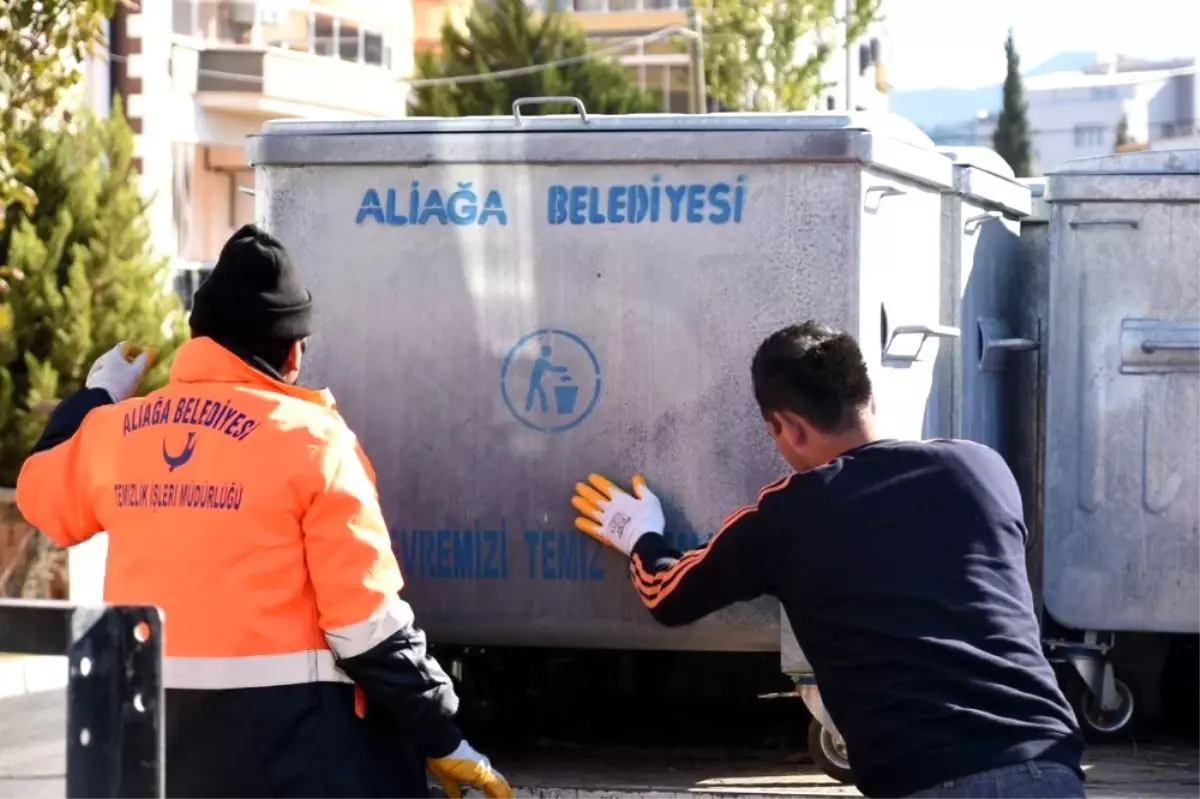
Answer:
(242, 505)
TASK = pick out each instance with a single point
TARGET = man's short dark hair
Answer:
(812, 371)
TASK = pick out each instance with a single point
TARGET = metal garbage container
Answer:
(981, 263)
(1122, 452)
(1123, 402)
(505, 304)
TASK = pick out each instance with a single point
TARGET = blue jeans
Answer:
(1032, 779)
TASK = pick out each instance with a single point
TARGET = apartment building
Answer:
(430, 15)
(1077, 114)
(198, 76)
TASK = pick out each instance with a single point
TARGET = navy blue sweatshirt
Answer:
(901, 566)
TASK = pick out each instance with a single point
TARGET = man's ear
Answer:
(795, 427)
(774, 425)
(294, 356)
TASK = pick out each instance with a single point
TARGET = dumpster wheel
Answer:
(828, 751)
(1101, 725)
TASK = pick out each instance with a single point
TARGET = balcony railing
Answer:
(262, 24)
(224, 71)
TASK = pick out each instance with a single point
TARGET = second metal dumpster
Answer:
(981, 261)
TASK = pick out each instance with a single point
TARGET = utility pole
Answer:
(848, 90)
(697, 38)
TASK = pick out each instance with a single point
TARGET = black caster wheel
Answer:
(828, 751)
(1098, 725)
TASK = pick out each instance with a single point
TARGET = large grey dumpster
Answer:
(506, 304)
(1122, 514)
(981, 261)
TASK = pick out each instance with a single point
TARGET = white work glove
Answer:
(120, 370)
(613, 517)
(465, 766)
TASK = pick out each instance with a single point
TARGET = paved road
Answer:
(33, 745)
(32, 760)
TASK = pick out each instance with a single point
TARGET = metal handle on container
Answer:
(971, 226)
(1078, 223)
(995, 341)
(1159, 346)
(926, 332)
(883, 192)
(524, 101)
(1150, 347)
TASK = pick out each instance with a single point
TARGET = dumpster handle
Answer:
(1078, 223)
(971, 226)
(926, 332)
(1150, 347)
(523, 101)
(994, 340)
(883, 192)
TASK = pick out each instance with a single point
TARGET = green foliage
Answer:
(750, 50)
(506, 35)
(89, 276)
(42, 43)
(1011, 138)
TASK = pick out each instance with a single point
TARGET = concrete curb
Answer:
(24, 675)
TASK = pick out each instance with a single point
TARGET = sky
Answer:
(960, 43)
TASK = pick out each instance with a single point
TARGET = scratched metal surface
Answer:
(1122, 525)
(416, 323)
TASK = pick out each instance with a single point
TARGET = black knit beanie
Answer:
(253, 294)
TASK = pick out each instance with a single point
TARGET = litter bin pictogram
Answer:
(550, 380)
(565, 396)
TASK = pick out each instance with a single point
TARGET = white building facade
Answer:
(198, 76)
(1078, 114)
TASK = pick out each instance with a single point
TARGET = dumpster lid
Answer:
(886, 124)
(983, 158)
(982, 175)
(1142, 162)
(1143, 176)
(885, 142)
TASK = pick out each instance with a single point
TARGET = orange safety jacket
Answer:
(246, 510)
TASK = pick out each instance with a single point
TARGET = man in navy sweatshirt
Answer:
(901, 565)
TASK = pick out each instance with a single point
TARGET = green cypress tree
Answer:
(1123, 138)
(1011, 139)
(507, 34)
(82, 276)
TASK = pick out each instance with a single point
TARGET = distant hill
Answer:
(934, 108)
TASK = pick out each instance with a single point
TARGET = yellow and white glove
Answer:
(120, 370)
(613, 517)
(467, 767)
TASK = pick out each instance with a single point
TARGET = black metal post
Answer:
(115, 730)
